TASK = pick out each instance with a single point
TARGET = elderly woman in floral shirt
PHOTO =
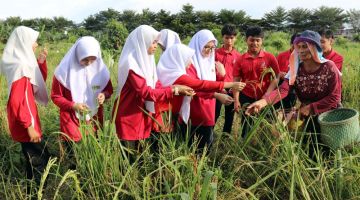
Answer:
(316, 81)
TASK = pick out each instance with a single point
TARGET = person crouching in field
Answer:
(172, 69)
(136, 87)
(316, 81)
(26, 78)
(80, 85)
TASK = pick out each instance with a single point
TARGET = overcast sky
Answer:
(78, 10)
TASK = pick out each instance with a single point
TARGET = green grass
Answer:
(262, 166)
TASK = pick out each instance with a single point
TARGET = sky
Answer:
(78, 10)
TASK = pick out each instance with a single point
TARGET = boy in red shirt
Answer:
(326, 41)
(227, 55)
(283, 60)
(252, 68)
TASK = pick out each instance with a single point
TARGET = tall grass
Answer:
(270, 163)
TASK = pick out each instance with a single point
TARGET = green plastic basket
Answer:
(339, 127)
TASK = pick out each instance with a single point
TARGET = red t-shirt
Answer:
(336, 58)
(283, 60)
(228, 59)
(250, 70)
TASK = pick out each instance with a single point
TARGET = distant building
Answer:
(346, 31)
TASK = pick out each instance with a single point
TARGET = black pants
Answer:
(204, 135)
(314, 139)
(69, 154)
(246, 121)
(229, 115)
(36, 157)
(289, 101)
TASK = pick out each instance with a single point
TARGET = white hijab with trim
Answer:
(84, 83)
(171, 66)
(134, 56)
(205, 67)
(19, 60)
(169, 38)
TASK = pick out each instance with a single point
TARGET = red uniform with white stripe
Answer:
(131, 122)
(69, 123)
(21, 108)
(202, 106)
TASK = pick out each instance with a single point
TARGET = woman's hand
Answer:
(34, 135)
(224, 98)
(42, 55)
(256, 107)
(305, 111)
(101, 98)
(183, 90)
(80, 107)
(220, 68)
(238, 86)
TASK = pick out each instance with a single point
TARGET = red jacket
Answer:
(131, 122)
(202, 106)
(69, 123)
(283, 60)
(21, 108)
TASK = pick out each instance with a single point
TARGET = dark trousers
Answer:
(204, 135)
(36, 157)
(314, 138)
(69, 154)
(289, 101)
(246, 121)
(229, 115)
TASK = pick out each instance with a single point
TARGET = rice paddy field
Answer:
(272, 162)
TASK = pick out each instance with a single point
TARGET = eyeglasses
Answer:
(207, 48)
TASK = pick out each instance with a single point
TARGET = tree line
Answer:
(111, 27)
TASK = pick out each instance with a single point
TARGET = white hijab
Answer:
(19, 60)
(171, 66)
(84, 83)
(169, 38)
(134, 56)
(205, 67)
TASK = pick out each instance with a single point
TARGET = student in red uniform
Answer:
(251, 69)
(316, 81)
(227, 55)
(80, 86)
(283, 61)
(26, 77)
(172, 69)
(136, 82)
(167, 39)
(202, 112)
(327, 41)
